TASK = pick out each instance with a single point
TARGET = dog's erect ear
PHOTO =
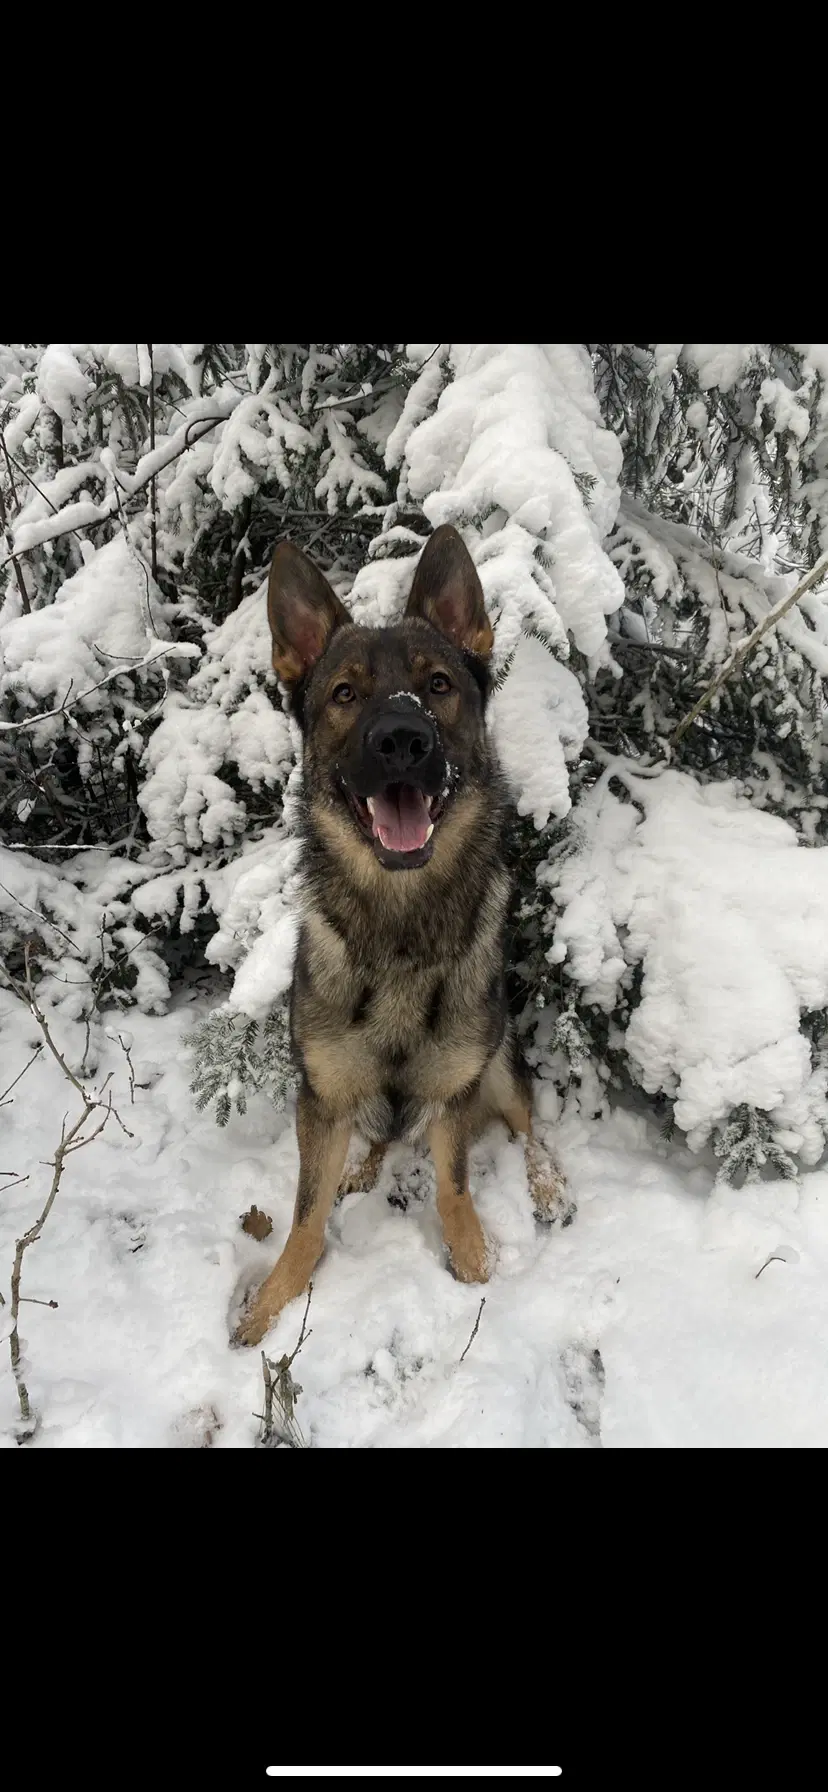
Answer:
(447, 593)
(302, 610)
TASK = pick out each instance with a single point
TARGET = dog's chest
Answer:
(387, 1042)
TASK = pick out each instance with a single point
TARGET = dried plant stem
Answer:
(281, 1389)
(69, 1141)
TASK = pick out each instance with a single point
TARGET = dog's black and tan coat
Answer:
(398, 1008)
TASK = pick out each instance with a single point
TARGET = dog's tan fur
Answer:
(398, 1010)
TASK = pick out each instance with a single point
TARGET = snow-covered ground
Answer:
(646, 1322)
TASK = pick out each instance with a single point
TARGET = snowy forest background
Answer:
(636, 512)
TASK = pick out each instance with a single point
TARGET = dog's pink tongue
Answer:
(401, 819)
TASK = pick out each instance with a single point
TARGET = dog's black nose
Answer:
(403, 743)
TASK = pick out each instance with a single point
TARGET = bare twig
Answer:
(34, 1302)
(476, 1324)
(773, 1258)
(153, 508)
(6, 1092)
(737, 658)
(9, 468)
(70, 1141)
(61, 708)
(18, 570)
(125, 1050)
(41, 494)
(44, 919)
(78, 846)
(177, 445)
(281, 1389)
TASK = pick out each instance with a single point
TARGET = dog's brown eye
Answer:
(343, 693)
(440, 684)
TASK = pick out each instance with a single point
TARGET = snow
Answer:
(675, 1310)
(496, 439)
(73, 901)
(61, 382)
(539, 722)
(42, 527)
(231, 715)
(718, 363)
(725, 913)
(256, 898)
(737, 593)
(98, 618)
(501, 457)
(144, 1253)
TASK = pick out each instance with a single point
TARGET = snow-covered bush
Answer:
(634, 510)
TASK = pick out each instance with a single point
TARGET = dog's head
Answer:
(393, 718)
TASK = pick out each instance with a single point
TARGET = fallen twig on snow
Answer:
(773, 1258)
(281, 1388)
(476, 1324)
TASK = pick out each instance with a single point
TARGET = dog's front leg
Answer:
(465, 1239)
(323, 1143)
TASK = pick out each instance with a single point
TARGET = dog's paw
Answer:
(360, 1178)
(547, 1187)
(253, 1323)
(470, 1256)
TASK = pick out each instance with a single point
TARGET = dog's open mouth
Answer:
(399, 819)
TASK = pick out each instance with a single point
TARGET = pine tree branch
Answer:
(740, 653)
(148, 468)
(61, 709)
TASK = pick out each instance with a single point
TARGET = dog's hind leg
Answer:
(448, 1140)
(358, 1179)
(506, 1094)
(323, 1143)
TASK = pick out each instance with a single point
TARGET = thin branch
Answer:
(281, 1389)
(61, 708)
(149, 621)
(9, 467)
(70, 1141)
(41, 494)
(476, 1324)
(18, 570)
(44, 919)
(153, 507)
(79, 846)
(178, 445)
(736, 659)
(125, 1050)
(303, 1334)
(772, 1259)
(35, 1053)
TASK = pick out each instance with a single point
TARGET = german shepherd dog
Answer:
(399, 1015)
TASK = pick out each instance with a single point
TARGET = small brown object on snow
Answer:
(256, 1224)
